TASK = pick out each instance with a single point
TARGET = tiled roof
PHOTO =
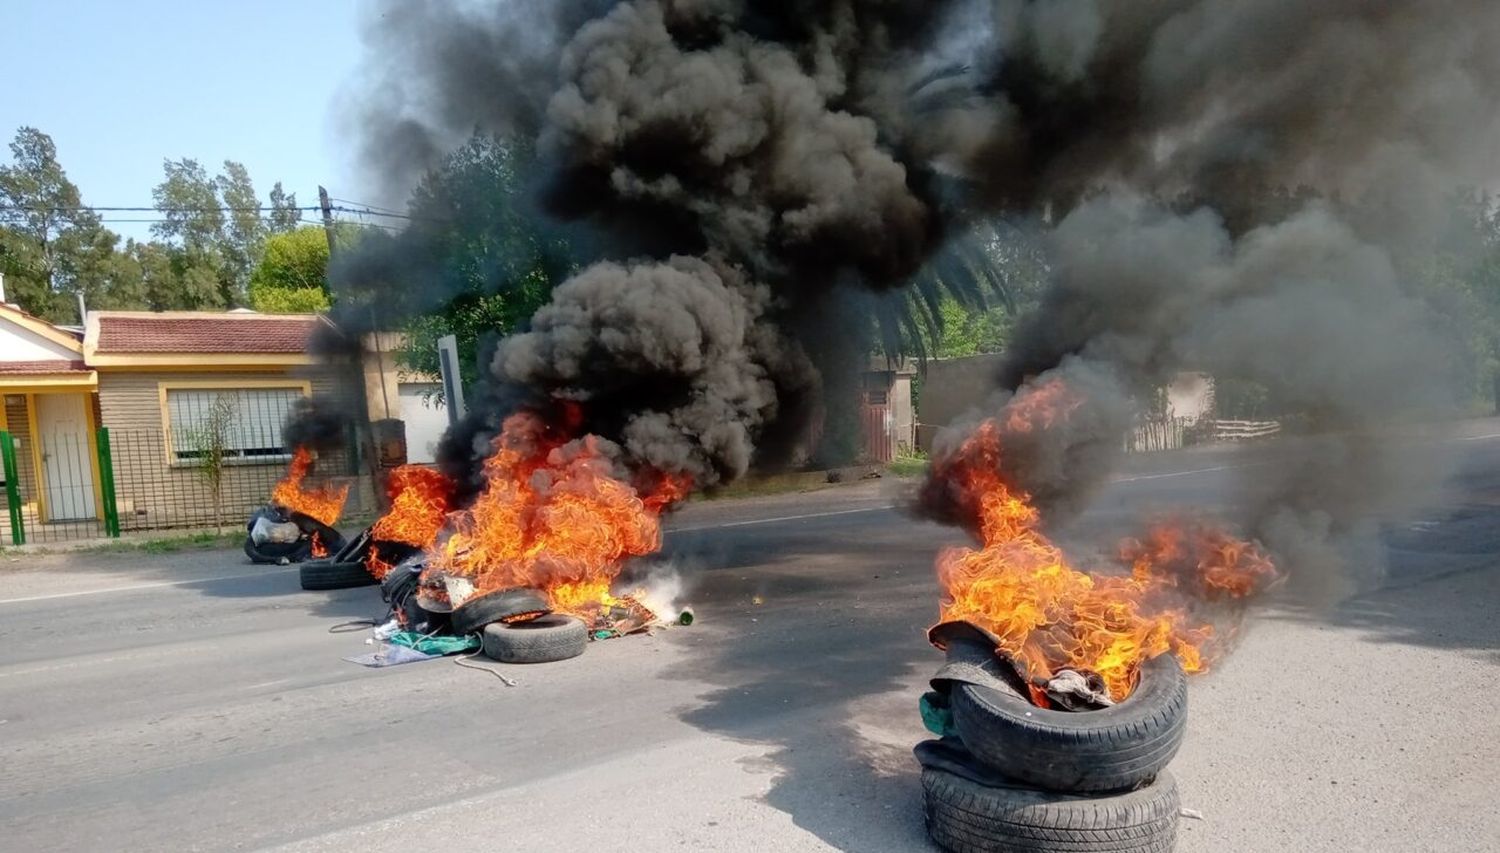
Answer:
(29, 368)
(203, 333)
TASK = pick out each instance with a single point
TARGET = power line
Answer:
(90, 208)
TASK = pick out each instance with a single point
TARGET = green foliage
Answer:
(481, 249)
(284, 215)
(280, 300)
(293, 260)
(53, 249)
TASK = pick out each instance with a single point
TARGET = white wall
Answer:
(425, 420)
(18, 344)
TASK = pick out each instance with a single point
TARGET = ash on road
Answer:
(193, 702)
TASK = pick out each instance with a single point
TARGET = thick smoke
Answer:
(316, 425)
(817, 146)
(677, 352)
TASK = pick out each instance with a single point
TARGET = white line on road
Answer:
(1140, 477)
(1478, 437)
(135, 587)
(780, 518)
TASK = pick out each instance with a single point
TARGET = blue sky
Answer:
(122, 84)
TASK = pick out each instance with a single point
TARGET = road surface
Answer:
(193, 702)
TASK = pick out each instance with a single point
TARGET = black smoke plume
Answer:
(1235, 186)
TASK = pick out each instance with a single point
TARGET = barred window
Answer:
(248, 426)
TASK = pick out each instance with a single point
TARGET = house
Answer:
(152, 381)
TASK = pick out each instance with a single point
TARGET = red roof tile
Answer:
(206, 334)
(48, 366)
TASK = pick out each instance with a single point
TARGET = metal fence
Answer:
(77, 486)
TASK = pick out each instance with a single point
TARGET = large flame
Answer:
(554, 515)
(420, 502)
(323, 503)
(1046, 614)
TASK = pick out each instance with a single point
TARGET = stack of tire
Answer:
(345, 568)
(518, 626)
(1018, 777)
(283, 553)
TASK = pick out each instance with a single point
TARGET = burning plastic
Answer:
(1048, 615)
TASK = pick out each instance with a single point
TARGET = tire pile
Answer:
(276, 535)
(1007, 775)
(514, 625)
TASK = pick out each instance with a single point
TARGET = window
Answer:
(250, 428)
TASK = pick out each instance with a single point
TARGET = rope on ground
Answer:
(465, 661)
(353, 625)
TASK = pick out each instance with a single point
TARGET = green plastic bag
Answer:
(436, 644)
(936, 715)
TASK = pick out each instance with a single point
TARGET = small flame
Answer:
(555, 516)
(420, 502)
(1046, 614)
(377, 566)
(318, 548)
(323, 503)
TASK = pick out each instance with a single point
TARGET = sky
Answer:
(120, 86)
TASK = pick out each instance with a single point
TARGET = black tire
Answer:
(964, 816)
(276, 553)
(326, 574)
(541, 640)
(1111, 749)
(471, 616)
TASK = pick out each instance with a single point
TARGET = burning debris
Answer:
(1049, 616)
(530, 562)
(298, 523)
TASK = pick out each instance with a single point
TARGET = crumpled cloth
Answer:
(1078, 691)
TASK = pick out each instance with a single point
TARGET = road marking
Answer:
(134, 587)
(1478, 437)
(781, 518)
(1181, 473)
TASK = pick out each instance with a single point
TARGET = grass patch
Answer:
(908, 466)
(200, 541)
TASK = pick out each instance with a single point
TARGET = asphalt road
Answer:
(191, 701)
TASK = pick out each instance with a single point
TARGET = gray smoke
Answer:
(1237, 187)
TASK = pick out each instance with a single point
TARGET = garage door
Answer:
(425, 417)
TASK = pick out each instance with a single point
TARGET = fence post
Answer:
(12, 488)
(107, 482)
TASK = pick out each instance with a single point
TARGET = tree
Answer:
(245, 230)
(474, 262)
(50, 244)
(211, 224)
(284, 215)
(208, 442)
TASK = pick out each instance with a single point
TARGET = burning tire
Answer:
(276, 553)
(1110, 749)
(964, 816)
(471, 616)
(544, 639)
(327, 574)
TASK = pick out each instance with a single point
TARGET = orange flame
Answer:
(318, 548)
(377, 566)
(555, 516)
(1048, 615)
(322, 503)
(420, 501)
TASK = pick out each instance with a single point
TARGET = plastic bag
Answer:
(265, 530)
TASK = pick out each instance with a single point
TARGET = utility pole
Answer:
(328, 230)
(371, 451)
